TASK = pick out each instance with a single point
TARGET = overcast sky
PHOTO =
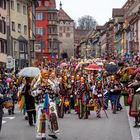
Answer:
(101, 10)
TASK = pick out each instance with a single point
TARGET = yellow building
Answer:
(31, 29)
(19, 31)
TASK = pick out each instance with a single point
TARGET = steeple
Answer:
(60, 5)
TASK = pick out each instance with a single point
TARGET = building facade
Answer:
(66, 33)
(47, 44)
(132, 26)
(31, 29)
(18, 43)
(3, 36)
(119, 33)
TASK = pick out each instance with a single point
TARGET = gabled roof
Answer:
(62, 15)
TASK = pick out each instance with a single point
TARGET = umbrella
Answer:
(93, 67)
(111, 67)
(29, 72)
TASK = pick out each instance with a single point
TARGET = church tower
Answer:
(65, 33)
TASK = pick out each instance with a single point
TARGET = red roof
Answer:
(51, 5)
(62, 15)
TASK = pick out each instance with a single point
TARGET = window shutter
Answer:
(44, 31)
(44, 16)
(4, 29)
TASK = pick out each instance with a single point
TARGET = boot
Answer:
(136, 122)
(53, 136)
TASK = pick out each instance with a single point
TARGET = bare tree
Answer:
(86, 23)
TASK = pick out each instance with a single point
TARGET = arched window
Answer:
(61, 22)
(67, 23)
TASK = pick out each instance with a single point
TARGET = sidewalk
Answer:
(134, 131)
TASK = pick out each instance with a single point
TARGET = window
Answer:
(25, 29)
(60, 35)
(3, 4)
(18, 7)
(19, 28)
(50, 44)
(0, 26)
(52, 30)
(39, 3)
(13, 26)
(40, 31)
(12, 5)
(64, 29)
(3, 47)
(67, 34)
(21, 47)
(60, 29)
(68, 28)
(40, 16)
(3, 25)
(24, 10)
(52, 16)
(46, 3)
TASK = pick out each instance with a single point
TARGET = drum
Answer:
(8, 104)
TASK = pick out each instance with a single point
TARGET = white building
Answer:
(65, 33)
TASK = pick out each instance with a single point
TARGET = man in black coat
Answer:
(29, 103)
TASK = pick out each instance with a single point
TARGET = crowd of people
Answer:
(79, 85)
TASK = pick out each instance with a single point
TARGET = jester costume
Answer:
(43, 89)
(83, 97)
